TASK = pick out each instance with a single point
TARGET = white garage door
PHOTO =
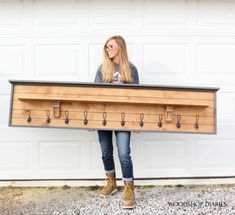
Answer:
(171, 42)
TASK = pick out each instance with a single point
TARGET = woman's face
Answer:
(112, 49)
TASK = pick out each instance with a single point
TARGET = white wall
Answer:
(171, 42)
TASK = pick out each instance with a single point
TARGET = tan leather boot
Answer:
(128, 195)
(110, 186)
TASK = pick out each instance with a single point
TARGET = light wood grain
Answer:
(114, 101)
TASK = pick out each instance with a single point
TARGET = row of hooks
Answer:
(104, 122)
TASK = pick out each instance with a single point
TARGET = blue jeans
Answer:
(124, 151)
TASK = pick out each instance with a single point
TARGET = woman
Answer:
(116, 68)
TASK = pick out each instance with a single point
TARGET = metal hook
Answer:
(104, 117)
(66, 117)
(178, 121)
(197, 120)
(85, 118)
(29, 119)
(123, 117)
(141, 120)
(160, 120)
(48, 120)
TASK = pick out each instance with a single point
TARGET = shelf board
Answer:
(194, 103)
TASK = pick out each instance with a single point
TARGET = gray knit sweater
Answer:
(134, 73)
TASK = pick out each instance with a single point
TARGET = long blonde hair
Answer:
(108, 66)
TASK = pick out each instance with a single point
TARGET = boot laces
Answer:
(108, 182)
(128, 192)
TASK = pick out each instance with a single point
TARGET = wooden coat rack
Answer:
(113, 106)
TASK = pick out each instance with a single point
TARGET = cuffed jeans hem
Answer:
(110, 171)
(127, 179)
